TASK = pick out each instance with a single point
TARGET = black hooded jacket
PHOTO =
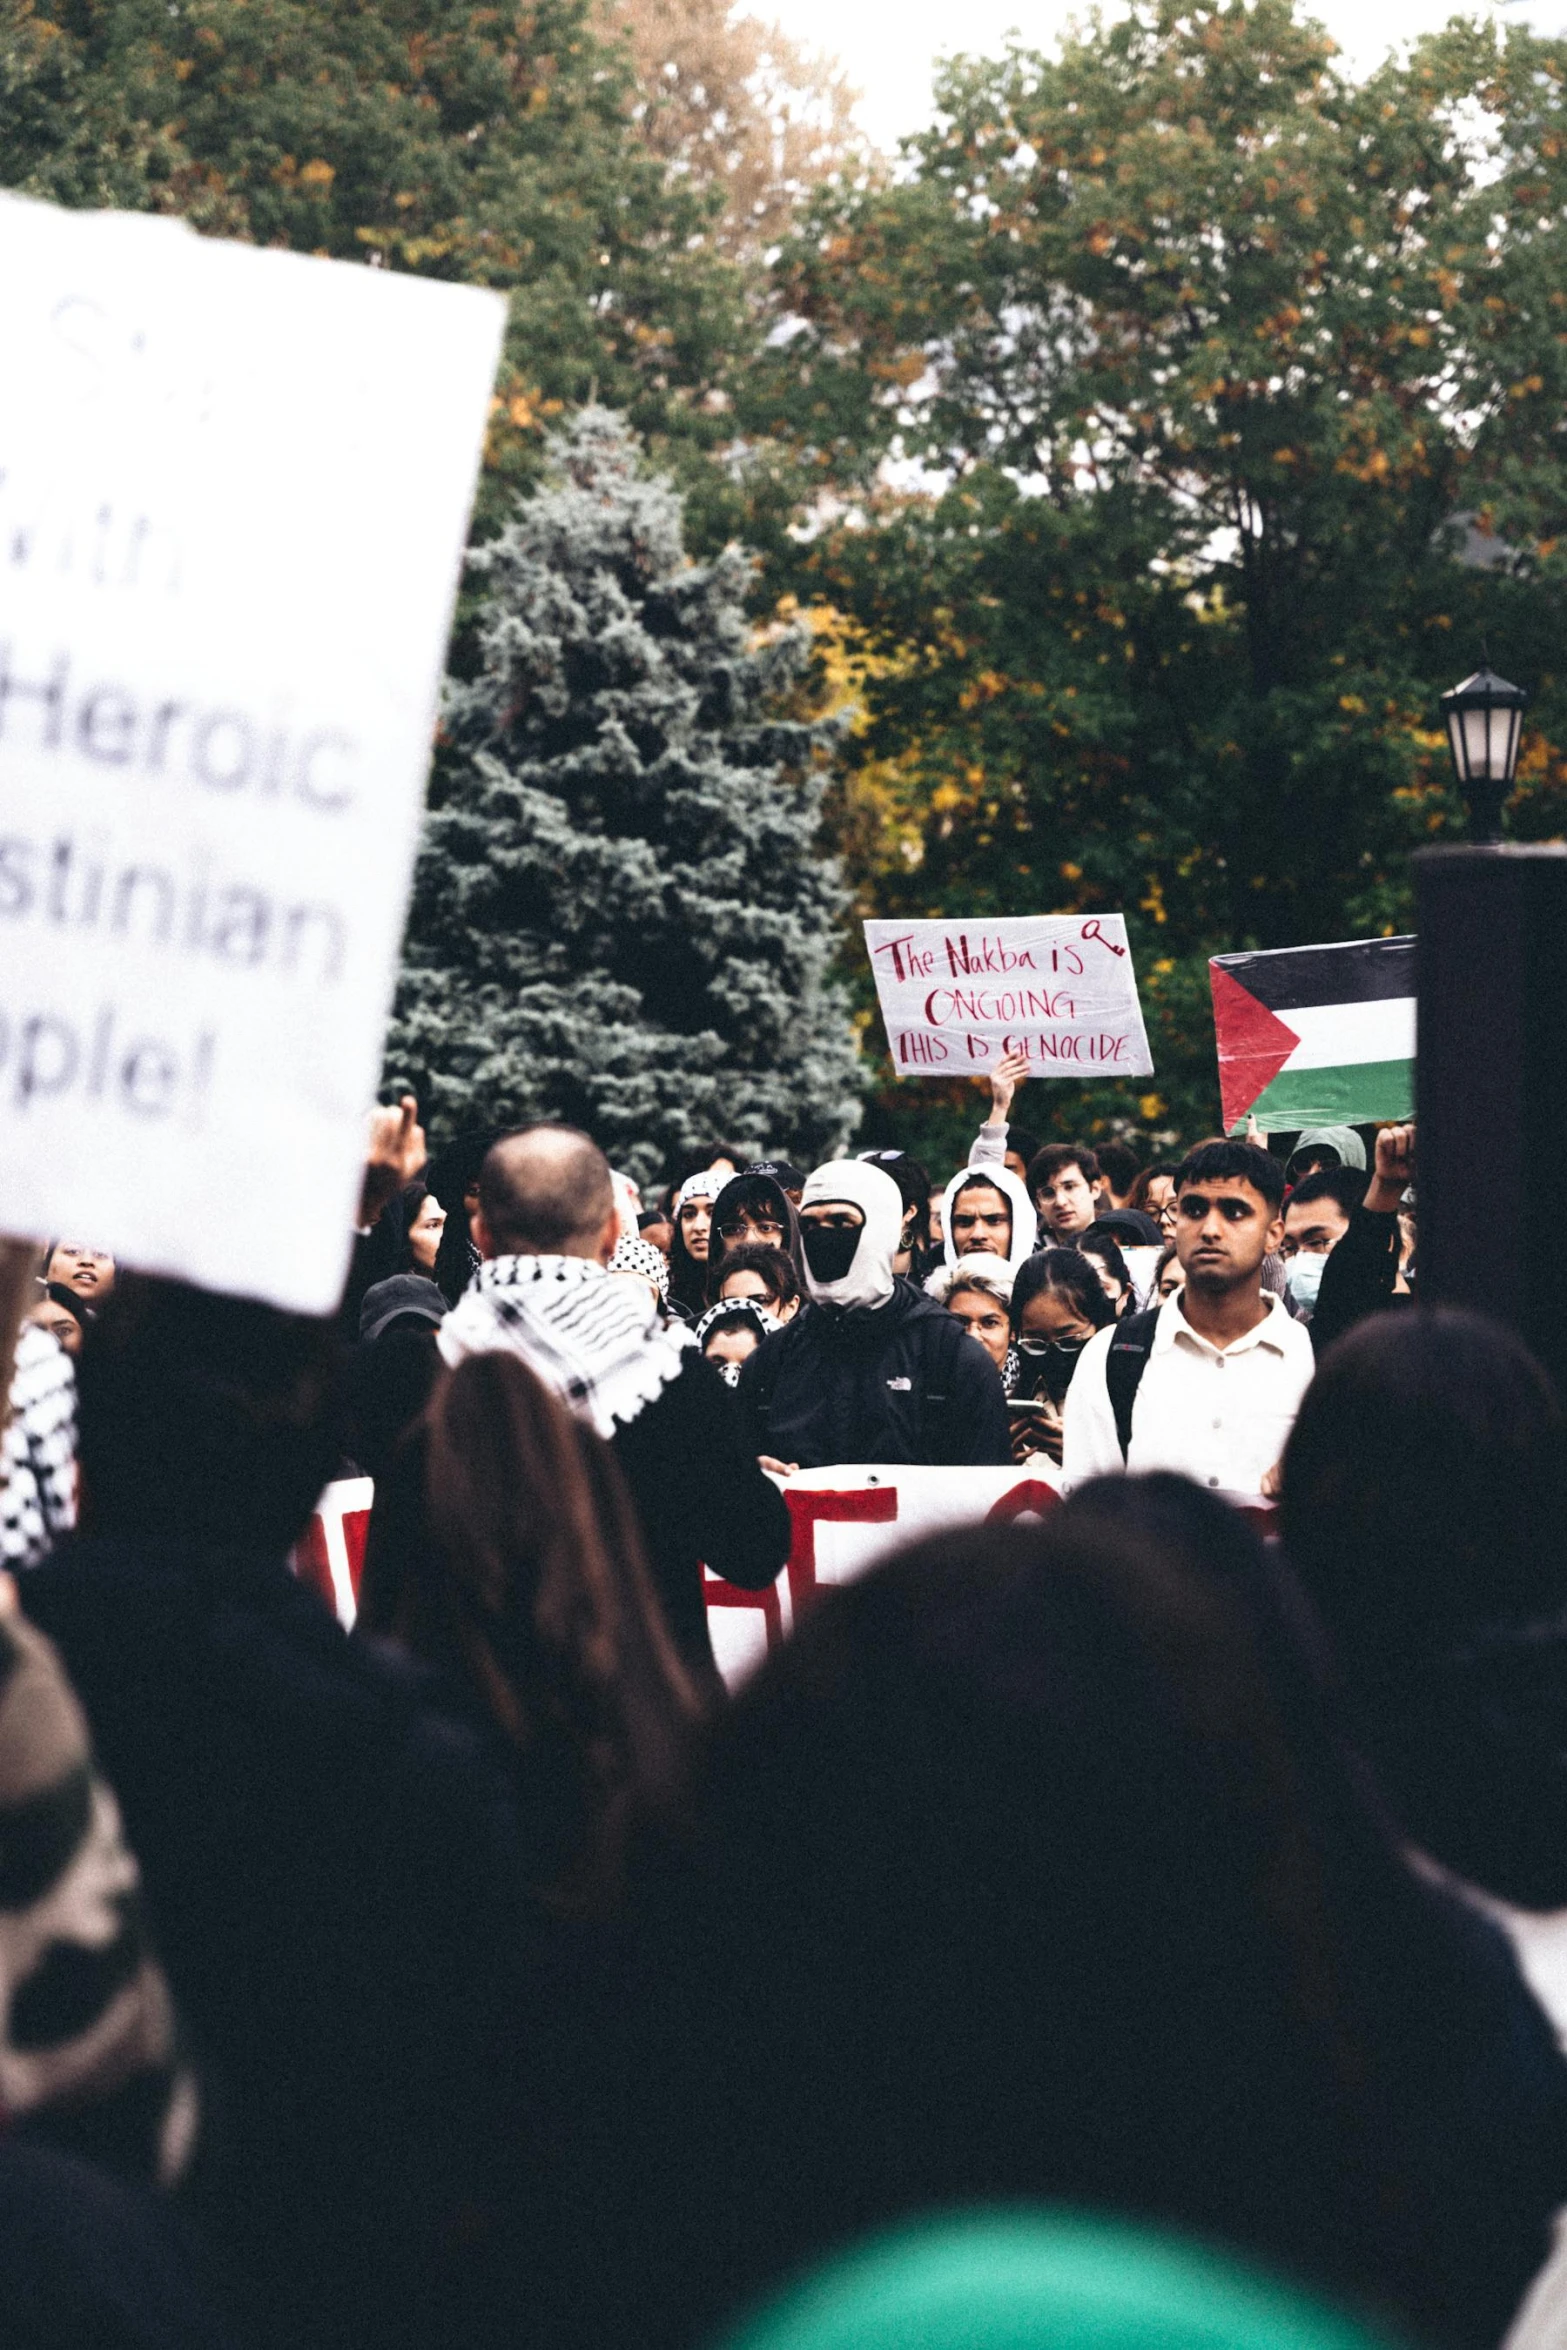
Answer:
(902, 1382)
(750, 1189)
(1358, 1277)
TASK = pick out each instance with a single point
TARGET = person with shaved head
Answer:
(546, 1227)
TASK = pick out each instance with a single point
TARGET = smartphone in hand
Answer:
(1035, 1426)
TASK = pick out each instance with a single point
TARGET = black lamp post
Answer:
(1483, 716)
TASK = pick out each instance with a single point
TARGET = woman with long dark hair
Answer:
(691, 1250)
(424, 1222)
(1111, 1270)
(504, 1551)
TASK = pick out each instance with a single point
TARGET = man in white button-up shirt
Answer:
(1226, 1367)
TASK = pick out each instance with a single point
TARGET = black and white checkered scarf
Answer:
(38, 1451)
(594, 1338)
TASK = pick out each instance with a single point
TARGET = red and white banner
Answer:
(330, 1554)
(846, 1518)
(843, 1520)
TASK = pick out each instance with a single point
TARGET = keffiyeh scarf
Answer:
(595, 1342)
(742, 1310)
(38, 1451)
(703, 1185)
(633, 1254)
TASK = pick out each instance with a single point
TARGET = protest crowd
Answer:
(606, 1745)
(1189, 1855)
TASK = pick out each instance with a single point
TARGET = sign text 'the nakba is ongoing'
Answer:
(1058, 987)
(234, 491)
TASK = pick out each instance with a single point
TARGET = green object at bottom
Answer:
(1021, 2280)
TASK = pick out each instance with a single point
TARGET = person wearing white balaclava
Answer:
(875, 1371)
(851, 1219)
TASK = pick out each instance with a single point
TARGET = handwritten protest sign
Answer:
(234, 488)
(1059, 987)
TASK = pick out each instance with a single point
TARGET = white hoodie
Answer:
(1025, 1217)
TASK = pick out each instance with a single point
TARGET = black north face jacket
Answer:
(904, 1382)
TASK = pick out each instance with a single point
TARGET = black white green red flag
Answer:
(1316, 1036)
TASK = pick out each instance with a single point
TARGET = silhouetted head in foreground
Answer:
(1032, 1866)
(205, 1420)
(1425, 1486)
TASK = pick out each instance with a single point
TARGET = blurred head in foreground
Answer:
(205, 1420)
(1424, 1507)
(1032, 1866)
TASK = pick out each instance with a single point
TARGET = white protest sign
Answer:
(234, 490)
(1058, 987)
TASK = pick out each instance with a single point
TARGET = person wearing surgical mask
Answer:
(1316, 1217)
(1058, 1302)
(1363, 1274)
(876, 1371)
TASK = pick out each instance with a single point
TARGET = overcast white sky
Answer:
(889, 46)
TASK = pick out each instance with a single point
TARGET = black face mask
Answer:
(830, 1251)
(1050, 1363)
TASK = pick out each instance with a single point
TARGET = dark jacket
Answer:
(1358, 1277)
(388, 1382)
(333, 1868)
(903, 1383)
(701, 1500)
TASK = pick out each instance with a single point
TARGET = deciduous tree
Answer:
(495, 144)
(1218, 366)
(733, 101)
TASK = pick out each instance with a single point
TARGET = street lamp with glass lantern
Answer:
(1483, 716)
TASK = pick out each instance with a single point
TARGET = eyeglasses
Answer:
(739, 1231)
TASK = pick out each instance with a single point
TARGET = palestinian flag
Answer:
(1316, 1036)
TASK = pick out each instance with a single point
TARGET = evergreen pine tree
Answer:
(620, 915)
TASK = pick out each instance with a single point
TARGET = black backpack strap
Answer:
(940, 1358)
(1124, 1367)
